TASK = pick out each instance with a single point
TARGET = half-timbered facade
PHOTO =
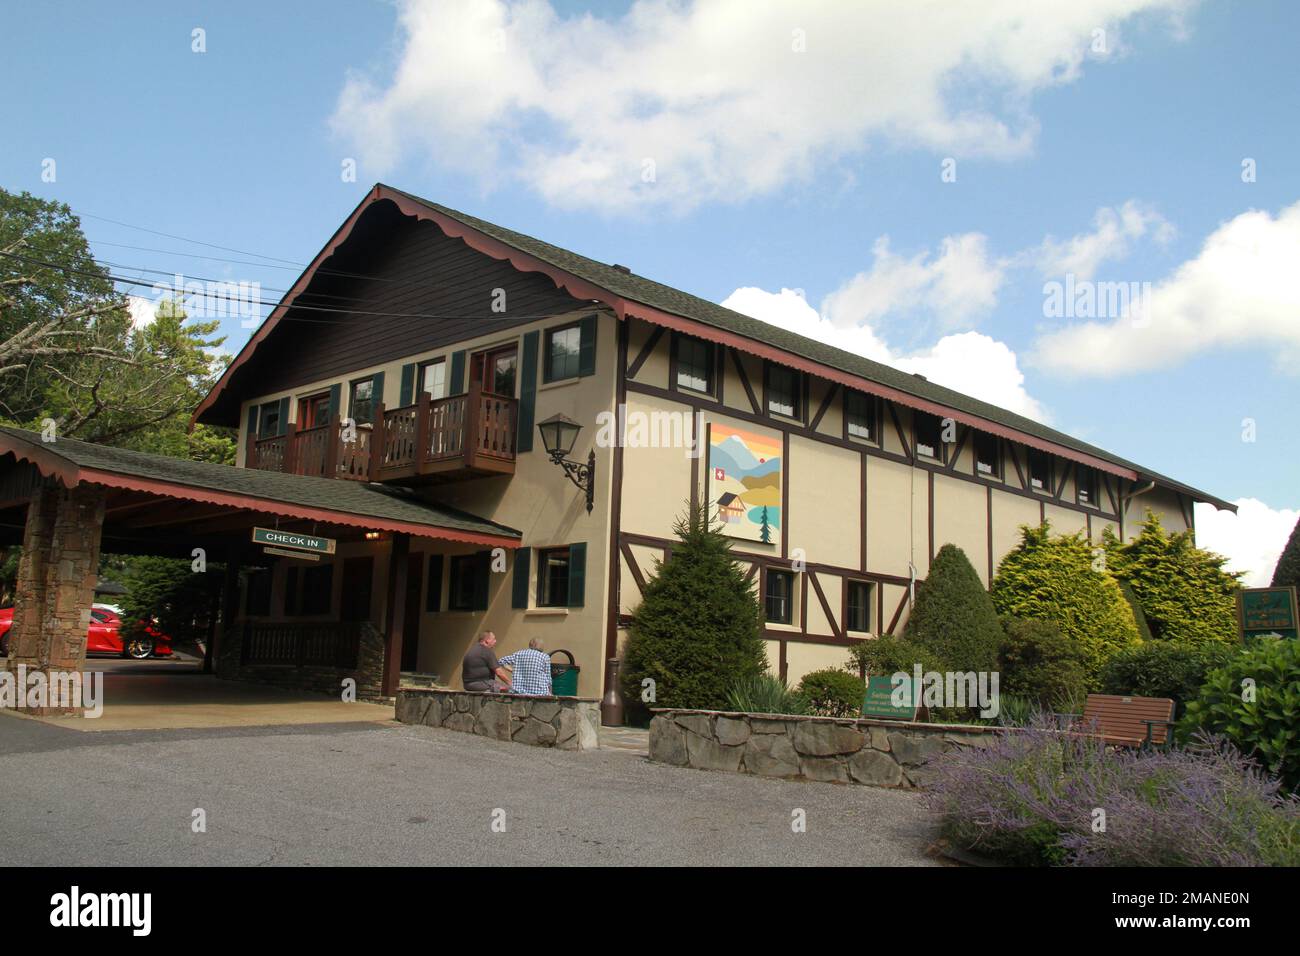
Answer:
(422, 347)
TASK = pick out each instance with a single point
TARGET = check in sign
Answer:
(292, 539)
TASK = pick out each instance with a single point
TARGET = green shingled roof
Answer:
(667, 299)
(356, 498)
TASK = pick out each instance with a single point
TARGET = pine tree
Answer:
(1055, 579)
(765, 532)
(1287, 573)
(954, 616)
(698, 630)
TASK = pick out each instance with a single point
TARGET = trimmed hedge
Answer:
(1163, 669)
(833, 693)
(1184, 592)
(697, 632)
(1287, 572)
(953, 615)
(1037, 661)
(1055, 579)
(888, 654)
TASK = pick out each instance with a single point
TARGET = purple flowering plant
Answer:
(1040, 795)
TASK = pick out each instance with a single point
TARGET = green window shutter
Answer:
(377, 393)
(408, 385)
(482, 574)
(433, 594)
(577, 574)
(336, 399)
(457, 386)
(284, 415)
(527, 394)
(252, 422)
(587, 346)
(519, 594)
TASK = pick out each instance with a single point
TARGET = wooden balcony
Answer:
(433, 440)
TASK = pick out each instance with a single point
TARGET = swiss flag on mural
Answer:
(719, 474)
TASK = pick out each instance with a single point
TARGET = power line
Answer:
(109, 265)
(270, 305)
(197, 242)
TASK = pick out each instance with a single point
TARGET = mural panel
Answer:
(744, 482)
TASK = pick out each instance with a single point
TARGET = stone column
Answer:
(56, 584)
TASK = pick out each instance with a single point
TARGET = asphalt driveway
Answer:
(366, 793)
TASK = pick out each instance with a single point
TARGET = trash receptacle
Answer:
(564, 677)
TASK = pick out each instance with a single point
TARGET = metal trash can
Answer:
(564, 677)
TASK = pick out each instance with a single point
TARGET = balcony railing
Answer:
(462, 436)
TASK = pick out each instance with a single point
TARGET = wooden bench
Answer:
(1130, 721)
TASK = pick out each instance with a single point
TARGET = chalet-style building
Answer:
(446, 392)
(392, 401)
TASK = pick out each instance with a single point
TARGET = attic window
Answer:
(1040, 470)
(784, 391)
(1086, 485)
(988, 455)
(928, 433)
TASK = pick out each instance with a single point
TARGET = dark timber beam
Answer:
(395, 611)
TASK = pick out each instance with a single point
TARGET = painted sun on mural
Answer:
(744, 472)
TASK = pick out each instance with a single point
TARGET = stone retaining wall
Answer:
(569, 723)
(879, 753)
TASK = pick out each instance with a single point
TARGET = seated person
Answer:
(530, 670)
(480, 670)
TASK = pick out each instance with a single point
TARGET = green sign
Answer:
(1262, 611)
(294, 540)
(879, 701)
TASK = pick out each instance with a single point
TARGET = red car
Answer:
(102, 637)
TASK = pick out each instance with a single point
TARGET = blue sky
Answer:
(816, 169)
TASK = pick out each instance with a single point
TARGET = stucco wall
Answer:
(537, 500)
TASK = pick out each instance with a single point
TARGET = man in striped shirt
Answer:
(530, 670)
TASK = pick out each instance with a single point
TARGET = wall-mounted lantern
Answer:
(559, 433)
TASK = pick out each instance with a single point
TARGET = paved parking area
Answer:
(384, 793)
(170, 694)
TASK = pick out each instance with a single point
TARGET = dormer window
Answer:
(695, 364)
(784, 392)
(1086, 486)
(988, 455)
(1040, 470)
(860, 416)
(929, 430)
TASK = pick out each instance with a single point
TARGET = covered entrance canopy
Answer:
(64, 499)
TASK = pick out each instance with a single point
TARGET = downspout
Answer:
(1125, 499)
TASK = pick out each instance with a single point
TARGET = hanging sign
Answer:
(294, 540)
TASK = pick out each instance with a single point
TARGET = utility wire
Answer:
(270, 305)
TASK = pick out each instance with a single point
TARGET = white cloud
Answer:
(143, 311)
(1239, 290)
(956, 286)
(1113, 231)
(969, 362)
(728, 98)
(1252, 539)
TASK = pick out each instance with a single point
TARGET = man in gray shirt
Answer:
(480, 670)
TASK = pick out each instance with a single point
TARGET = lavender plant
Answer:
(1038, 796)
